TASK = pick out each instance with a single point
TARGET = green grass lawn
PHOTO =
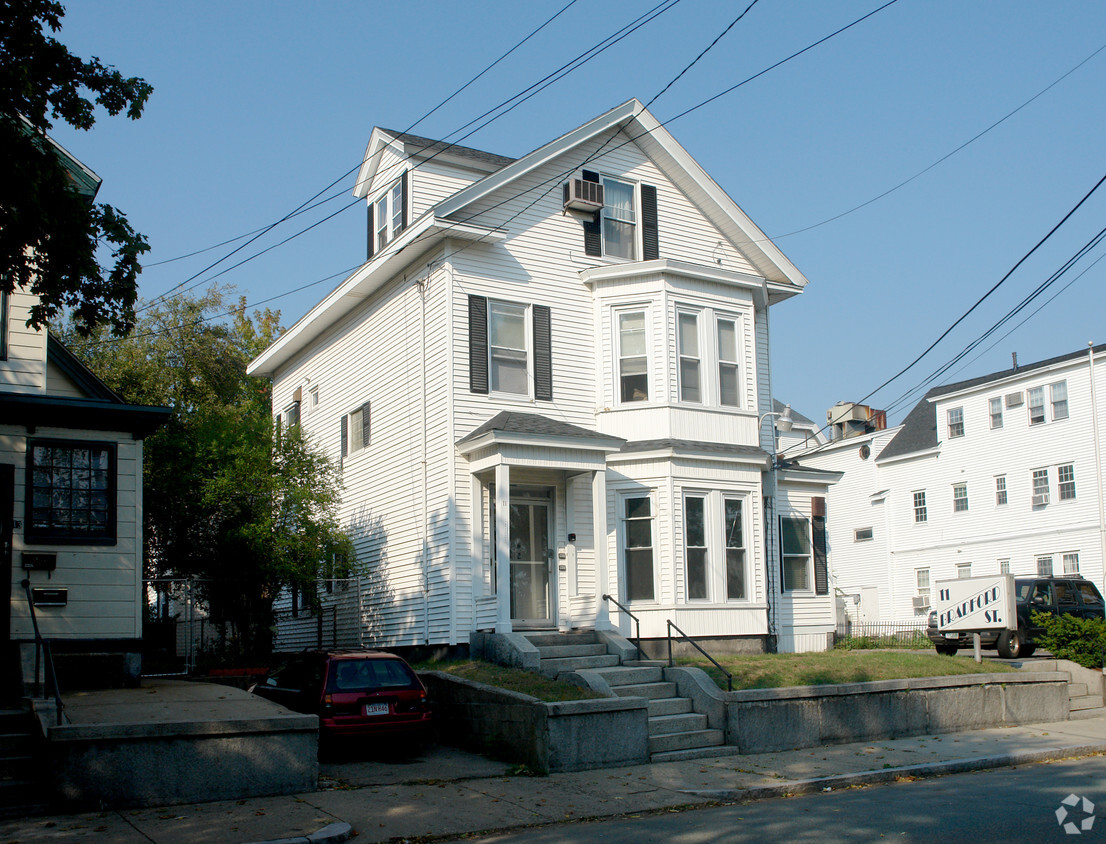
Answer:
(769, 671)
(513, 679)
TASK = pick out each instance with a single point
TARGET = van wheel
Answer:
(1011, 644)
(946, 650)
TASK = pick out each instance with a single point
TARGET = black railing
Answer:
(637, 622)
(42, 650)
(694, 644)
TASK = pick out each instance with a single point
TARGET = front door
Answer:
(531, 558)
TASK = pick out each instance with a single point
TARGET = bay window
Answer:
(728, 391)
(633, 356)
(688, 341)
(637, 532)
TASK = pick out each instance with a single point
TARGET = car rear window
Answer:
(1090, 595)
(364, 675)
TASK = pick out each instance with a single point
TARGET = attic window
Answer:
(388, 215)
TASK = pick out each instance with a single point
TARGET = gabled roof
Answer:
(919, 428)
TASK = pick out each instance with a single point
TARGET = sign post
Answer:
(974, 605)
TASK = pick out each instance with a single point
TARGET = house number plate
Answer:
(376, 709)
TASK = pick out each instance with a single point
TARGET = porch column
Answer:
(503, 548)
(599, 525)
(476, 496)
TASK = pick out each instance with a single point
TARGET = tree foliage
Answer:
(246, 509)
(50, 234)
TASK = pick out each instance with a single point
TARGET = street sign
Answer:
(974, 604)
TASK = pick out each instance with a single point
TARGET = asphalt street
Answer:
(1004, 805)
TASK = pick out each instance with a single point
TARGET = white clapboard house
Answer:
(549, 383)
(70, 501)
(1001, 473)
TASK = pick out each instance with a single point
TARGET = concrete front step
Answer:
(628, 676)
(1086, 714)
(553, 667)
(1085, 702)
(652, 691)
(669, 742)
(669, 706)
(1077, 690)
(566, 651)
(694, 753)
(542, 640)
(690, 722)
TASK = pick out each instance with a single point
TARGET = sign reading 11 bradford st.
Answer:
(975, 604)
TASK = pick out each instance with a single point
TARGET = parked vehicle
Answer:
(1055, 595)
(354, 693)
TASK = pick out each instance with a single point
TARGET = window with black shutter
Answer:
(500, 357)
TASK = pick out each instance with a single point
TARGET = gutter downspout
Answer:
(422, 285)
(770, 494)
(1097, 464)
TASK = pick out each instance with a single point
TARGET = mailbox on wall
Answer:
(39, 561)
(43, 597)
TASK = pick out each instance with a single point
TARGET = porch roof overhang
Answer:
(529, 439)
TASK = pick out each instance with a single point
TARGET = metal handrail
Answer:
(694, 644)
(43, 646)
(637, 623)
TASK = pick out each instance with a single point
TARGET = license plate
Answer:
(376, 709)
(952, 635)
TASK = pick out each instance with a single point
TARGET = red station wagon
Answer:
(354, 693)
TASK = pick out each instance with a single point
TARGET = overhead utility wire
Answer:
(984, 297)
(947, 156)
(300, 208)
(556, 76)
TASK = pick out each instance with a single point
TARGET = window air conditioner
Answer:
(1040, 499)
(921, 602)
(582, 195)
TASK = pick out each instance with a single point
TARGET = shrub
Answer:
(1082, 640)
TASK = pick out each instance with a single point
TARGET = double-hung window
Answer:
(1000, 490)
(388, 215)
(956, 422)
(736, 580)
(996, 412)
(508, 361)
(1040, 487)
(637, 532)
(619, 219)
(920, 512)
(356, 427)
(71, 491)
(510, 348)
(1065, 481)
(695, 547)
(1071, 562)
(633, 356)
(687, 327)
(729, 393)
(1044, 566)
(1036, 397)
(1058, 394)
(959, 498)
(795, 536)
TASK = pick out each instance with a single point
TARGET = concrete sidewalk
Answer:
(451, 793)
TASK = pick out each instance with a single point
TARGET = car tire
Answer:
(946, 650)
(1011, 644)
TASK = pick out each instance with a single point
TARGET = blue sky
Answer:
(259, 105)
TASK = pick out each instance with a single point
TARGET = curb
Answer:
(334, 833)
(883, 775)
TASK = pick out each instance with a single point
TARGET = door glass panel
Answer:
(530, 561)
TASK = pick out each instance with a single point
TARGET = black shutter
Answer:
(818, 531)
(478, 344)
(543, 354)
(593, 242)
(372, 234)
(345, 436)
(403, 189)
(366, 416)
(650, 238)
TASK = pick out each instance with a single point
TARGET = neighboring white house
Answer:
(70, 496)
(1001, 473)
(549, 383)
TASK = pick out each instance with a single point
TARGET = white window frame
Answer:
(617, 314)
(388, 215)
(963, 571)
(922, 582)
(355, 429)
(1065, 487)
(865, 534)
(921, 512)
(743, 548)
(623, 542)
(1044, 565)
(955, 422)
(1002, 496)
(960, 498)
(1004, 566)
(725, 365)
(995, 405)
(1035, 402)
(1058, 398)
(808, 568)
(1039, 487)
(632, 221)
(499, 354)
(312, 399)
(704, 549)
(689, 355)
(1071, 562)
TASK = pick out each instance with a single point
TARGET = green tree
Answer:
(246, 509)
(50, 232)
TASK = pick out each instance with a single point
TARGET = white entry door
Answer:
(531, 558)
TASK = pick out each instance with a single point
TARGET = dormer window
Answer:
(388, 215)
